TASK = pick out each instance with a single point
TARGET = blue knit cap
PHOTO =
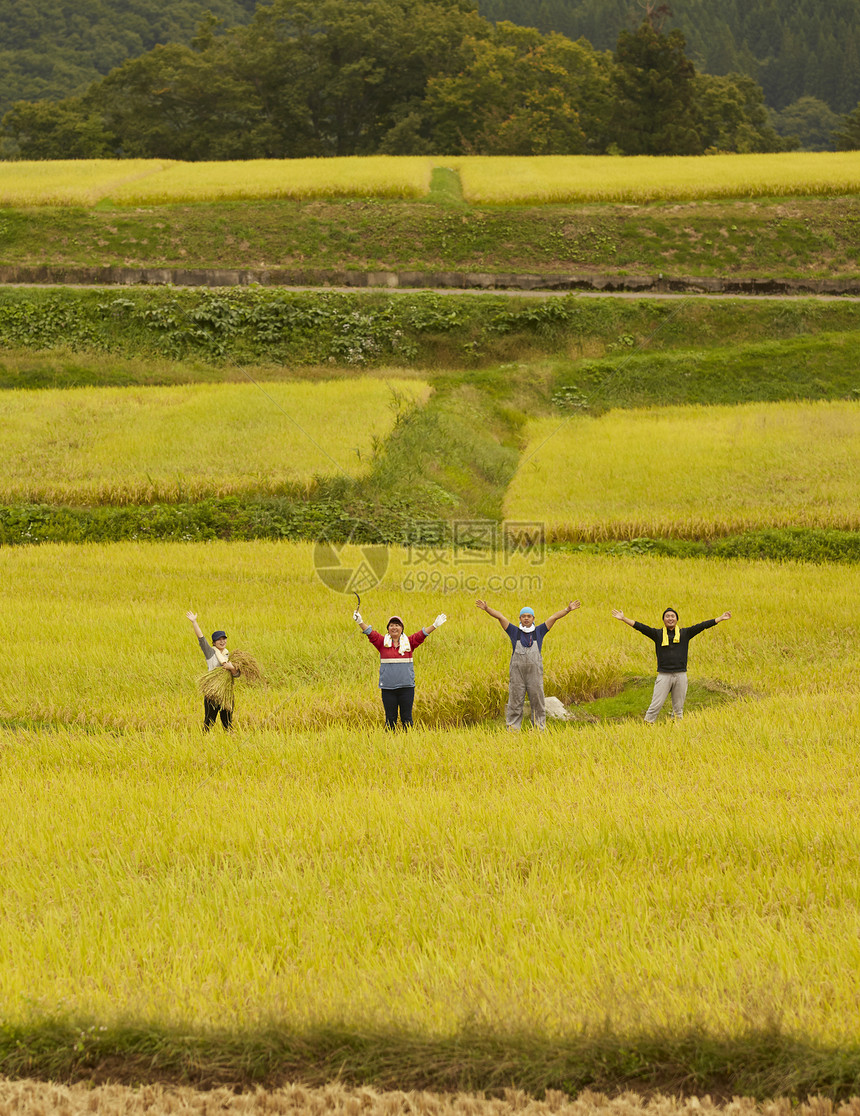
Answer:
(528, 610)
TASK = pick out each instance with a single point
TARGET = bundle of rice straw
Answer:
(249, 669)
(217, 685)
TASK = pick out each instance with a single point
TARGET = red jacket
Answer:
(395, 668)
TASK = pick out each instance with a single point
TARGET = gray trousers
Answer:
(526, 678)
(674, 684)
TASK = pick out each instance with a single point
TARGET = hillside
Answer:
(395, 77)
(308, 913)
(50, 50)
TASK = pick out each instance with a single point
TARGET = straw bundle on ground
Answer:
(217, 685)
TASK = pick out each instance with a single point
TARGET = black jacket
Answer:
(673, 659)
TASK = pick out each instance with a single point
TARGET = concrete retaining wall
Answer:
(411, 280)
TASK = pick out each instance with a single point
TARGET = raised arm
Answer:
(437, 623)
(192, 616)
(357, 618)
(503, 620)
(569, 607)
(725, 616)
(619, 615)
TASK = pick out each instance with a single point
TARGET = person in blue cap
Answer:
(216, 655)
(526, 672)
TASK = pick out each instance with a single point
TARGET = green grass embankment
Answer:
(243, 326)
(763, 1063)
(787, 238)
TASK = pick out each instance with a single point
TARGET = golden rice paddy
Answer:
(494, 180)
(189, 441)
(691, 472)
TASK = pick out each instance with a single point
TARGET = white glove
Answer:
(440, 620)
(357, 616)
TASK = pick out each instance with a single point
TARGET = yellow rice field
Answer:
(128, 445)
(71, 181)
(691, 472)
(130, 599)
(497, 180)
(377, 176)
(310, 869)
(163, 182)
(541, 179)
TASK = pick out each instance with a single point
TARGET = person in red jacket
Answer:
(396, 672)
(671, 643)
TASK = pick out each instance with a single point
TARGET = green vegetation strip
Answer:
(330, 518)
(762, 1063)
(788, 238)
(372, 329)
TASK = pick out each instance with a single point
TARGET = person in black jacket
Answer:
(671, 643)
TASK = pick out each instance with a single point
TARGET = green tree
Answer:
(176, 103)
(305, 78)
(654, 111)
(521, 93)
(811, 121)
(847, 136)
(52, 50)
(335, 77)
(731, 116)
(65, 130)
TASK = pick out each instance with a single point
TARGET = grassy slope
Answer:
(301, 331)
(786, 238)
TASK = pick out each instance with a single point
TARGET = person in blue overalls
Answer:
(526, 674)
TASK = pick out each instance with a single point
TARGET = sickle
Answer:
(358, 606)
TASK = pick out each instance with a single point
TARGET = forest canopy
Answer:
(792, 48)
(355, 77)
(50, 49)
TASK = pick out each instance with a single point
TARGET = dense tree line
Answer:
(54, 48)
(792, 48)
(352, 77)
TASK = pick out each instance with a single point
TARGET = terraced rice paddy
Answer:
(162, 182)
(508, 180)
(128, 445)
(495, 180)
(310, 871)
(691, 472)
